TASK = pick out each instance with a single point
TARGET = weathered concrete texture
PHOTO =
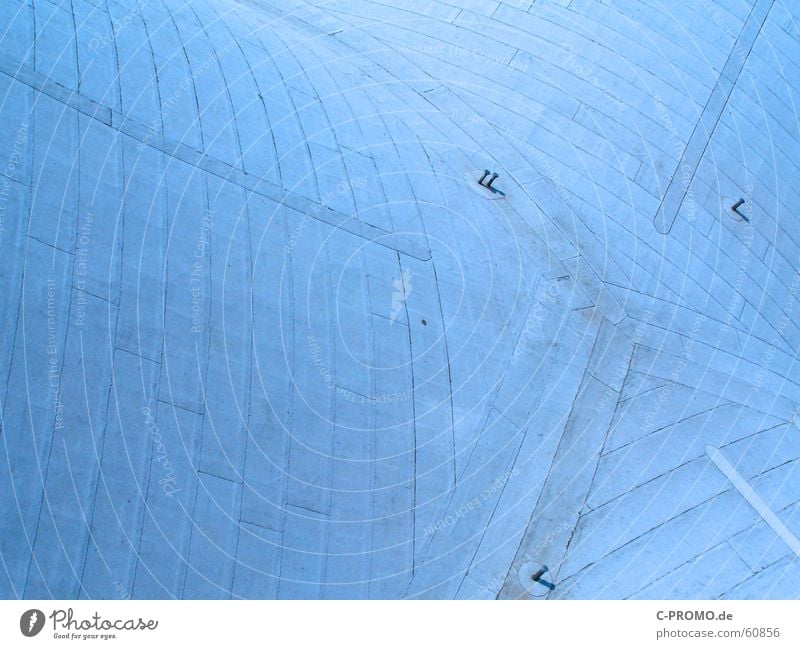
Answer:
(265, 336)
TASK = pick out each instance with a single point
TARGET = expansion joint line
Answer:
(679, 187)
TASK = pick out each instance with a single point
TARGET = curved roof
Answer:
(269, 337)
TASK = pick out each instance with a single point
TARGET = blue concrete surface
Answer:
(263, 336)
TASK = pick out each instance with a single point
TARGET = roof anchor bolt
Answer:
(735, 207)
(491, 180)
(483, 177)
(537, 577)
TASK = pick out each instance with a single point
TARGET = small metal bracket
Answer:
(488, 183)
(735, 208)
(481, 180)
(531, 578)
